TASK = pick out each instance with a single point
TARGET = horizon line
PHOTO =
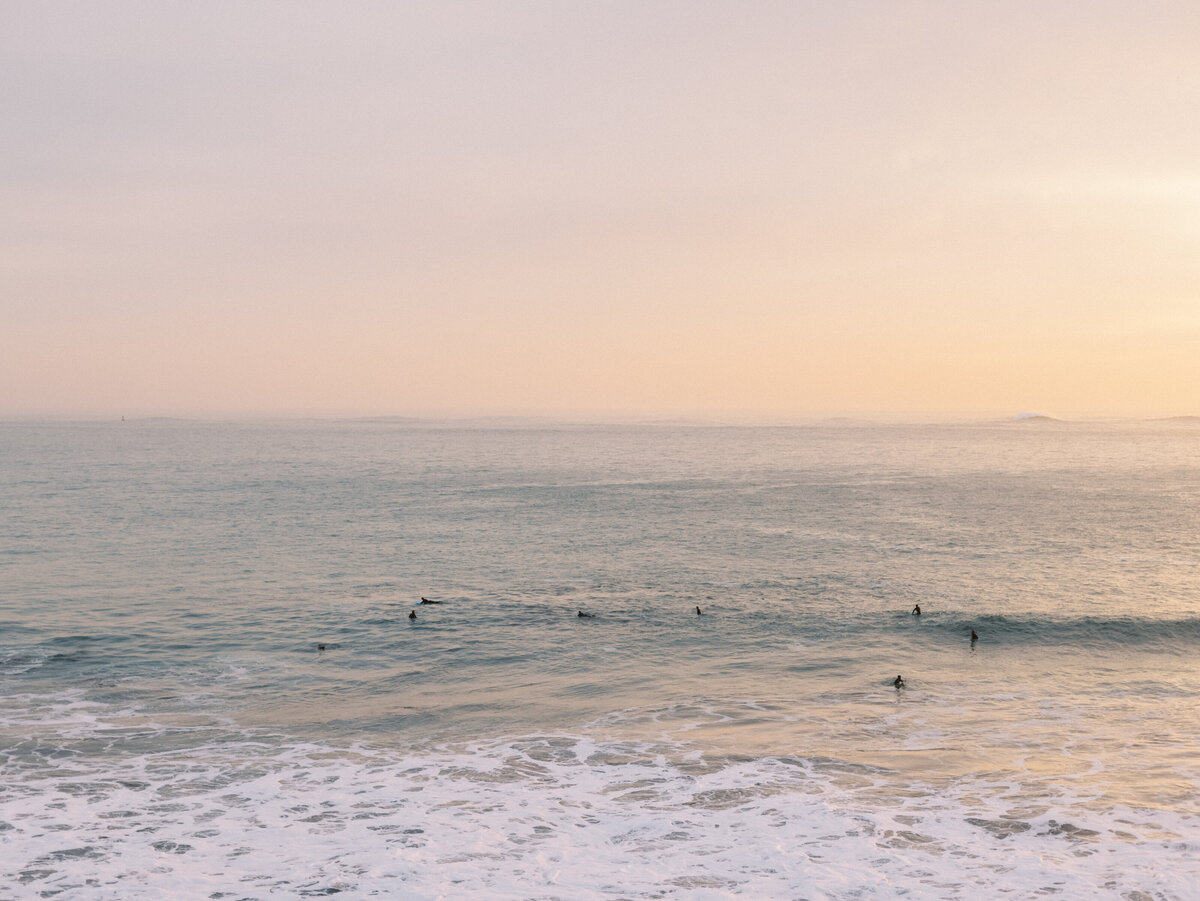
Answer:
(711, 419)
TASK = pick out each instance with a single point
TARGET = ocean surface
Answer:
(170, 726)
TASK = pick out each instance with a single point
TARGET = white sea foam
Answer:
(559, 816)
(21, 659)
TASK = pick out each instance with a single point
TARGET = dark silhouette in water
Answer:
(587, 615)
(899, 682)
(320, 647)
(699, 612)
(916, 610)
(974, 637)
(427, 601)
(412, 614)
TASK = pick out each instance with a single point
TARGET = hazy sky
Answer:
(799, 208)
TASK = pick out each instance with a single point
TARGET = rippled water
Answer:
(170, 724)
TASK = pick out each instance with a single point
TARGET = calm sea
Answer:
(211, 686)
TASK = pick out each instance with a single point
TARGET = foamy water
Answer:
(169, 727)
(567, 816)
(559, 816)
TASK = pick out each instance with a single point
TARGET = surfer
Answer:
(899, 682)
(427, 601)
(916, 610)
(320, 647)
(587, 615)
(974, 637)
(412, 614)
(699, 612)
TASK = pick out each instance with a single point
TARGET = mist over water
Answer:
(167, 717)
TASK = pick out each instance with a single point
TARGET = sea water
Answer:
(171, 727)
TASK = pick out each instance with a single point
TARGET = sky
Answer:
(794, 209)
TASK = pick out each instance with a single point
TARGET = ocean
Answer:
(211, 685)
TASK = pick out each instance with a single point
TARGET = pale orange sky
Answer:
(883, 208)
